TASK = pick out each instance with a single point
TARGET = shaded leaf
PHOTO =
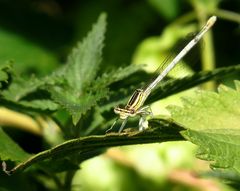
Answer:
(9, 150)
(160, 131)
(59, 164)
(74, 105)
(114, 76)
(213, 123)
(43, 104)
(22, 87)
(5, 71)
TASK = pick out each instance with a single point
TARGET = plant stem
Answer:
(208, 58)
(68, 180)
(228, 15)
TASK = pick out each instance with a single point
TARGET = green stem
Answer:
(68, 180)
(207, 55)
(228, 15)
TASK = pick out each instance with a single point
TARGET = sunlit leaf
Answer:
(212, 122)
(83, 62)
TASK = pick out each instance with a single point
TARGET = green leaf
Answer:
(213, 123)
(22, 87)
(220, 146)
(160, 131)
(84, 60)
(5, 71)
(80, 72)
(74, 105)
(42, 104)
(9, 150)
(3, 76)
(114, 76)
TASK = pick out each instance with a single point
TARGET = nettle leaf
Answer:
(9, 150)
(77, 96)
(84, 60)
(3, 76)
(41, 104)
(74, 105)
(5, 71)
(108, 78)
(20, 88)
(212, 121)
(87, 147)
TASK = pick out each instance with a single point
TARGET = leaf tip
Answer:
(103, 16)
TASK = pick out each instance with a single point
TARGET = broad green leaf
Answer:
(219, 146)
(83, 62)
(42, 104)
(213, 123)
(80, 71)
(9, 150)
(22, 87)
(74, 105)
(160, 131)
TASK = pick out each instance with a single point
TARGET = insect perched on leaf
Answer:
(135, 105)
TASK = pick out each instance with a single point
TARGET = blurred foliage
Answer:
(70, 95)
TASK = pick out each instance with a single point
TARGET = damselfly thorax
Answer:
(134, 104)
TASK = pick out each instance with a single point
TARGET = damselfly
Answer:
(135, 105)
